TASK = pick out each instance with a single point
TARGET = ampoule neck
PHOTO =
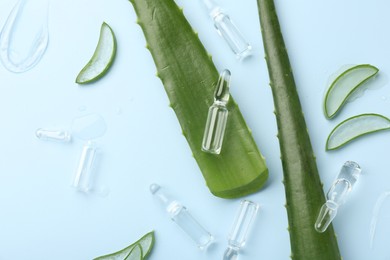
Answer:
(159, 194)
(231, 253)
(212, 8)
(222, 94)
(170, 205)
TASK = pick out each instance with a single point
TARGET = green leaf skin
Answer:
(304, 193)
(189, 77)
(146, 243)
(355, 127)
(135, 253)
(93, 71)
(341, 89)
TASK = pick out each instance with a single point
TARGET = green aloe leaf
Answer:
(347, 83)
(354, 127)
(189, 77)
(135, 253)
(102, 58)
(145, 243)
(304, 193)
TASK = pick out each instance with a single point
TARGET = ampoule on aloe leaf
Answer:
(217, 116)
(341, 187)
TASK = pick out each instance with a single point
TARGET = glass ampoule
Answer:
(241, 228)
(217, 116)
(60, 136)
(228, 30)
(84, 177)
(183, 218)
(336, 195)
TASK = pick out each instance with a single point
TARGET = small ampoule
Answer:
(83, 180)
(217, 116)
(337, 193)
(240, 230)
(228, 30)
(180, 215)
(61, 136)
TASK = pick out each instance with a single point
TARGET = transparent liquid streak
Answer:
(38, 46)
(375, 215)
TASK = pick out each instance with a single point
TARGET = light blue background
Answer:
(42, 217)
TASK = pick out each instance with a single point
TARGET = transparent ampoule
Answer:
(182, 217)
(84, 177)
(241, 227)
(342, 186)
(61, 136)
(13, 60)
(228, 30)
(217, 116)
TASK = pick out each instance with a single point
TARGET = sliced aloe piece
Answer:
(146, 243)
(135, 253)
(345, 85)
(356, 126)
(102, 58)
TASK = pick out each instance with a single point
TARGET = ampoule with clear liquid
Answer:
(60, 136)
(228, 30)
(85, 174)
(183, 218)
(341, 187)
(217, 116)
(241, 229)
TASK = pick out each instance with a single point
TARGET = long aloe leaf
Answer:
(304, 193)
(189, 76)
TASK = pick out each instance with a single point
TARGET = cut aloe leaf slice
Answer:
(146, 243)
(135, 253)
(345, 85)
(354, 127)
(102, 58)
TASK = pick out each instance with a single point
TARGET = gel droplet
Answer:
(103, 191)
(375, 215)
(89, 127)
(118, 111)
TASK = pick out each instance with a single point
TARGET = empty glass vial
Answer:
(228, 30)
(180, 215)
(241, 227)
(61, 136)
(336, 195)
(217, 116)
(83, 180)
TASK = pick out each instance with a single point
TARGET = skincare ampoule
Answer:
(217, 116)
